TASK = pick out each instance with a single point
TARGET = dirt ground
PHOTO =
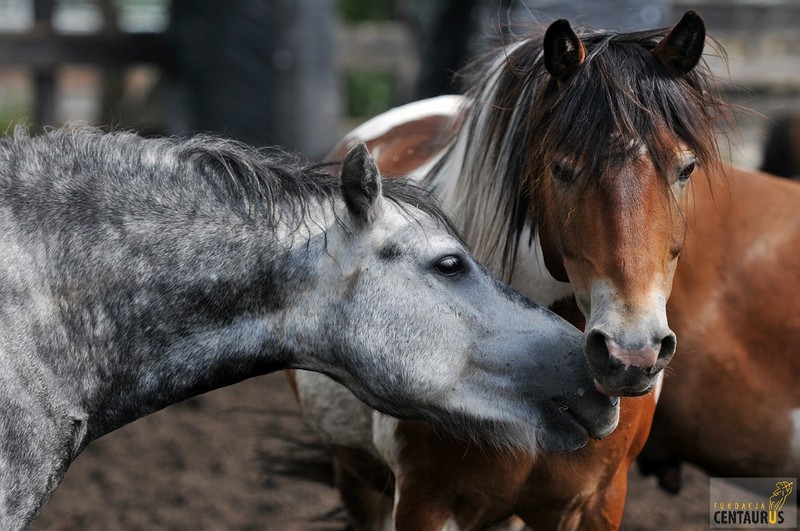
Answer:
(241, 458)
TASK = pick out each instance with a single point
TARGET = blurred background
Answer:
(301, 73)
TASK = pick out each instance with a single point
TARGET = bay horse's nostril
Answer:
(597, 351)
(605, 351)
(644, 357)
(668, 344)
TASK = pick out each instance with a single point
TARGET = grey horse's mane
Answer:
(260, 183)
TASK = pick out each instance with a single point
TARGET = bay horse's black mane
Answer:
(261, 184)
(620, 100)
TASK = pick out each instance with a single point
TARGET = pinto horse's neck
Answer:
(480, 208)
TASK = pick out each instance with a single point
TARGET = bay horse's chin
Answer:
(614, 378)
(628, 390)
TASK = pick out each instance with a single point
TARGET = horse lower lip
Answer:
(615, 395)
(603, 391)
(574, 443)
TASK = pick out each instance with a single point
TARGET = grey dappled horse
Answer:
(136, 273)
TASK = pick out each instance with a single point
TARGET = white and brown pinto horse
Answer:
(567, 167)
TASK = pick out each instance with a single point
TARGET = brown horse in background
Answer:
(567, 167)
(732, 404)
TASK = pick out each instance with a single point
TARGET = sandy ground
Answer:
(241, 458)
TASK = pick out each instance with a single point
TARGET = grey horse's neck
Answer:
(97, 362)
(112, 309)
(141, 311)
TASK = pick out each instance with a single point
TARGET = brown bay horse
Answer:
(569, 168)
(732, 404)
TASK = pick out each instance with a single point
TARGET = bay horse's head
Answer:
(596, 136)
(620, 124)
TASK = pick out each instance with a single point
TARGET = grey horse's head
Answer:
(417, 328)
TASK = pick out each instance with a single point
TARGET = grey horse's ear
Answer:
(563, 50)
(361, 184)
(681, 50)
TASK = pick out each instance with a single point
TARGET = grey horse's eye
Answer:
(450, 265)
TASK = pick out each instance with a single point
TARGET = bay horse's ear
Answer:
(563, 50)
(681, 50)
(361, 184)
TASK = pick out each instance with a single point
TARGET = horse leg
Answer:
(444, 506)
(605, 510)
(659, 463)
(417, 511)
(586, 489)
(558, 498)
(344, 425)
(448, 484)
(366, 487)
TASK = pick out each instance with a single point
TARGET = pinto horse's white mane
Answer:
(466, 177)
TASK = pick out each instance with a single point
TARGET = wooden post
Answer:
(261, 72)
(44, 78)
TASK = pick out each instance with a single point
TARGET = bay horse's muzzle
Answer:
(626, 369)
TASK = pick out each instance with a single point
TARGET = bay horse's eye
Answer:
(686, 172)
(561, 173)
(450, 266)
